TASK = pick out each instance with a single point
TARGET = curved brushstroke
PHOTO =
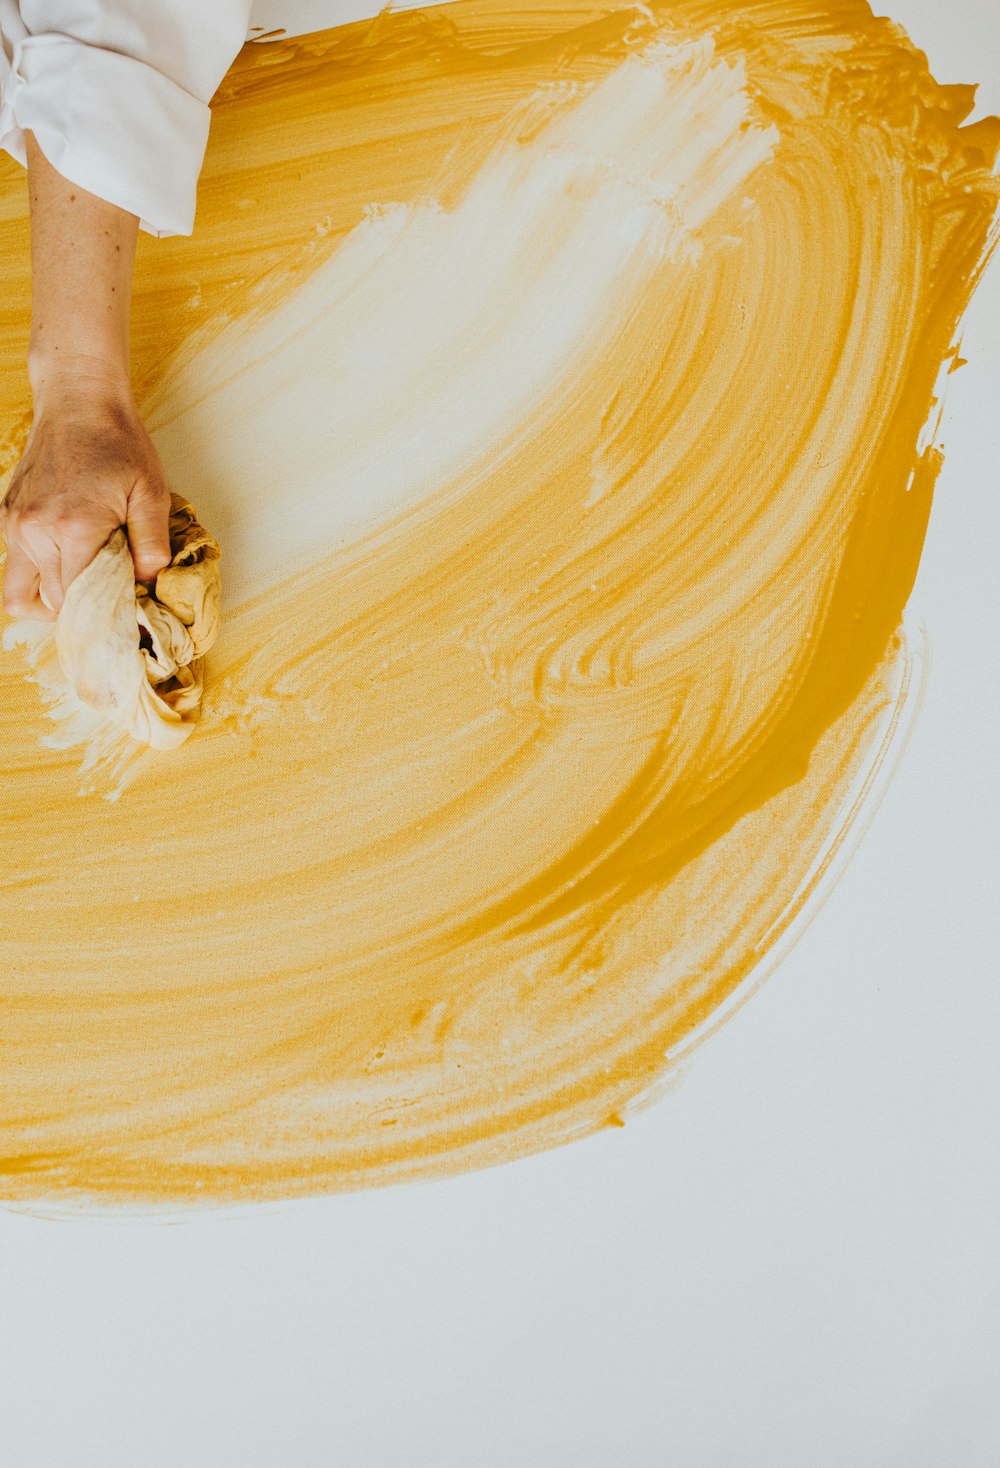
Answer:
(556, 388)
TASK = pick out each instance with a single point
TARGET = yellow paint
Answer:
(542, 700)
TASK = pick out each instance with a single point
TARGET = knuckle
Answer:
(20, 518)
(152, 496)
(31, 520)
(66, 520)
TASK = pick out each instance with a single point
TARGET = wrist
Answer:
(63, 379)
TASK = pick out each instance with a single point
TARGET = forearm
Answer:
(82, 259)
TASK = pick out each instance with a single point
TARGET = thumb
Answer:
(148, 527)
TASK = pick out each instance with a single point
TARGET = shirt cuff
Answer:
(110, 123)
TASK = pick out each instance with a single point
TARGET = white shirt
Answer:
(116, 93)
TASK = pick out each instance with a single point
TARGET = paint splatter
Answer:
(558, 384)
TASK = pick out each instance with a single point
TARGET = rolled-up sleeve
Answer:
(116, 93)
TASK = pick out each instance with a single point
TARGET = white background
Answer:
(790, 1262)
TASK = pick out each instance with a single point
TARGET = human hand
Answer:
(88, 467)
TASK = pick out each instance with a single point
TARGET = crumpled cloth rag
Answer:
(133, 654)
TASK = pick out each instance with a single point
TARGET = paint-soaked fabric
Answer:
(133, 655)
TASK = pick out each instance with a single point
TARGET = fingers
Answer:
(39, 572)
(87, 469)
(21, 585)
(148, 527)
(59, 546)
(50, 579)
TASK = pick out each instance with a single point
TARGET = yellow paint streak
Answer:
(501, 792)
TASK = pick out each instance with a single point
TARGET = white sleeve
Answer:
(116, 93)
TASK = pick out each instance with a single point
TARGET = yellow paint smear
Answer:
(556, 383)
